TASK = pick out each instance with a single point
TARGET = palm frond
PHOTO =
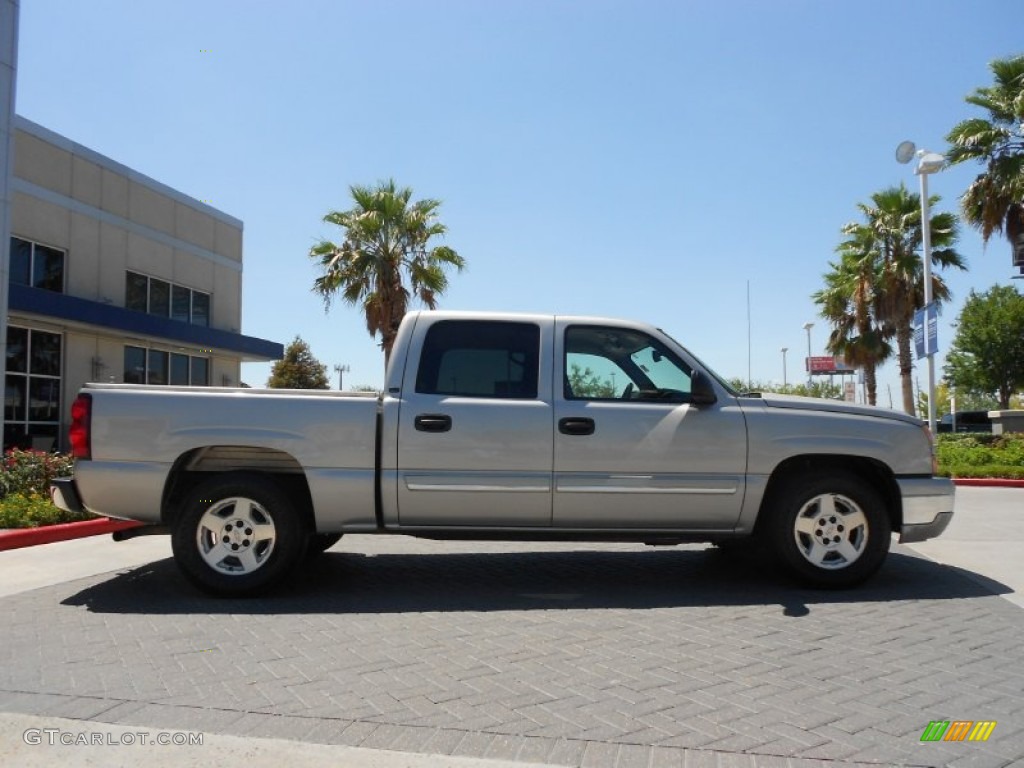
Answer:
(997, 142)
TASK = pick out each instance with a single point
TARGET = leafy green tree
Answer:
(965, 401)
(298, 369)
(987, 354)
(848, 302)
(386, 258)
(893, 218)
(583, 382)
(994, 202)
(822, 388)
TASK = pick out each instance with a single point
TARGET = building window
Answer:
(136, 292)
(200, 308)
(179, 369)
(37, 265)
(200, 376)
(157, 373)
(32, 389)
(155, 366)
(159, 297)
(134, 365)
(181, 304)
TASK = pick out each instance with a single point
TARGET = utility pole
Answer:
(341, 370)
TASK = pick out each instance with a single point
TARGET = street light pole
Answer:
(927, 163)
(807, 327)
(784, 350)
(926, 247)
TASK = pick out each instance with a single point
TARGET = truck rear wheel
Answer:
(831, 531)
(238, 535)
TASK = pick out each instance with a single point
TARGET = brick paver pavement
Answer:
(604, 655)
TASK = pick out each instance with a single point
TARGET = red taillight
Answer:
(81, 426)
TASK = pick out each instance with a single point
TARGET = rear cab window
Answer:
(480, 358)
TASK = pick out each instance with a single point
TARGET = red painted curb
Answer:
(30, 537)
(990, 482)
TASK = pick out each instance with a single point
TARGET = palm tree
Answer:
(384, 259)
(894, 220)
(848, 303)
(995, 200)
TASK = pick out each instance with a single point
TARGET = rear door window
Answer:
(480, 359)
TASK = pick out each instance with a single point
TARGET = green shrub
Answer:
(21, 510)
(981, 455)
(25, 478)
(1001, 471)
(30, 472)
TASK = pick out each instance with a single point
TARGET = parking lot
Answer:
(596, 655)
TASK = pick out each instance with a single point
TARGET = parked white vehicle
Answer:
(501, 426)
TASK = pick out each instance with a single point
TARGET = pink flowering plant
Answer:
(25, 477)
(27, 471)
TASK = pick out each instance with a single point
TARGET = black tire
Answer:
(238, 535)
(321, 542)
(830, 531)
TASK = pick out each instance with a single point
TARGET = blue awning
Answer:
(71, 308)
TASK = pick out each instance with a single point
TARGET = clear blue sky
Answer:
(636, 159)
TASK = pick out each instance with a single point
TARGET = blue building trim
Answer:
(58, 305)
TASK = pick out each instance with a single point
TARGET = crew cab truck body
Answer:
(500, 426)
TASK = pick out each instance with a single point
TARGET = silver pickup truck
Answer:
(503, 426)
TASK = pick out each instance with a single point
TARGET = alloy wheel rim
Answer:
(831, 531)
(236, 536)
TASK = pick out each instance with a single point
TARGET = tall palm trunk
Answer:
(906, 364)
(871, 383)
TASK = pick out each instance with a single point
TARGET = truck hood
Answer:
(773, 400)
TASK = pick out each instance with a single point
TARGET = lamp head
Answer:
(905, 151)
(930, 162)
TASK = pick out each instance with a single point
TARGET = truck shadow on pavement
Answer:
(339, 582)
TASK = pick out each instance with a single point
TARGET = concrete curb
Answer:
(988, 482)
(47, 534)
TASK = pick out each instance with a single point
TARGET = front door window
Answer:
(624, 364)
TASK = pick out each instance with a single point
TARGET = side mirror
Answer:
(701, 391)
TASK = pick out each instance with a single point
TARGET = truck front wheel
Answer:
(831, 531)
(238, 535)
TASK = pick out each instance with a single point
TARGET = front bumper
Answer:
(927, 507)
